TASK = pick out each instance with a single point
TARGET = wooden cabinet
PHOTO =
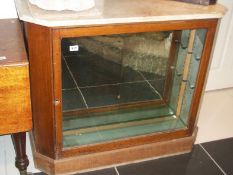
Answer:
(62, 132)
(113, 93)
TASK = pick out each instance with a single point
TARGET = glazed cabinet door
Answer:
(126, 85)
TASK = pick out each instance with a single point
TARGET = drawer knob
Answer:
(57, 102)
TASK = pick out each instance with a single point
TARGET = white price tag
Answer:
(74, 48)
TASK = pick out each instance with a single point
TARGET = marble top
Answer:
(119, 11)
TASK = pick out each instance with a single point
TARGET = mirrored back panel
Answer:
(127, 85)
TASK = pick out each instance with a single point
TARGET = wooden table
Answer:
(15, 111)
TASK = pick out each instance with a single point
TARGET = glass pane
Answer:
(192, 75)
(119, 86)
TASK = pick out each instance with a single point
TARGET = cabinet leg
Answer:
(21, 160)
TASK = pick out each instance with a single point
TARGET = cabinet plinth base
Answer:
(115, 157)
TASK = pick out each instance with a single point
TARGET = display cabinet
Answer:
(107, 93)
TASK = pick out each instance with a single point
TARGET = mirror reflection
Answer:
(125, 85)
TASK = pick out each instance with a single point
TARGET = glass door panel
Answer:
(119, 86)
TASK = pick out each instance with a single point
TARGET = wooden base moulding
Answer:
(112, 158)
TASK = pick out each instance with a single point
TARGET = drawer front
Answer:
(15, 110)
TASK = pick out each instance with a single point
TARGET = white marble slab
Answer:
(59, 5)
(119, 11)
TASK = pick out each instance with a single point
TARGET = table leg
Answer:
(21, 160)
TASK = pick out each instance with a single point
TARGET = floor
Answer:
(215, 116)
(212, 158)
(215, 123)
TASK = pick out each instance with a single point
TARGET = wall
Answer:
(7, 9)
(220, 75)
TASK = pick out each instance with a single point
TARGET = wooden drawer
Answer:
(15, 110)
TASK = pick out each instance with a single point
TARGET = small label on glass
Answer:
(74, 48)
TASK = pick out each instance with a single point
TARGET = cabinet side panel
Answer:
(41, 77)
(202, 74)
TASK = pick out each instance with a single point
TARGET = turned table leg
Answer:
(21, 160)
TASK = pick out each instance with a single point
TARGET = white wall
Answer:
(221, 71)
(7, 9)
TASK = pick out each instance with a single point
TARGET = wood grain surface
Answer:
(15, 110)
(75, 164)
(12, 43)
(41, 74)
